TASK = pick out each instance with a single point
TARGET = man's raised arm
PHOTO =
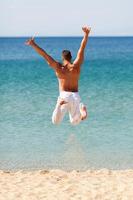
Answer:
(80, 55)
(54, 64)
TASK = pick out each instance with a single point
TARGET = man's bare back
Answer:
(68, 73)
(68, 77)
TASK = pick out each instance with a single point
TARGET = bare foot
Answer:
(83, 111)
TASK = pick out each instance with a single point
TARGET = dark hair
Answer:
(67, 55)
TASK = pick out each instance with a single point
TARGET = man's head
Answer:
(66, 55)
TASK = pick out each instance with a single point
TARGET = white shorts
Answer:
(72, 107)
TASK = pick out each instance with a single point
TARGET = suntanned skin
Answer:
(67, 73)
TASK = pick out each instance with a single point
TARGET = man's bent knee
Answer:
(55, 121)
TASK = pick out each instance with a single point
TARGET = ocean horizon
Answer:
(28, 95)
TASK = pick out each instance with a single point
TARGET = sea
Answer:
(28, 95)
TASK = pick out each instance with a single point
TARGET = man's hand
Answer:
(30, 42)
(86, 29)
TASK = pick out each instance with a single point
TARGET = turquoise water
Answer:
(28, 93)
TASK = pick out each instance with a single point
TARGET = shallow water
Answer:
(28, 93)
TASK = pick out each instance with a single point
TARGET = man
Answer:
(68, 76)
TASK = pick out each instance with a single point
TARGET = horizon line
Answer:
(23, 36)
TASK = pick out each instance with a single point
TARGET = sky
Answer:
(65, 17)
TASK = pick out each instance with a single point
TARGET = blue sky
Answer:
(65, 17)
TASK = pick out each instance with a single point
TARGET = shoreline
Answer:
(91, 170)
(58, 184)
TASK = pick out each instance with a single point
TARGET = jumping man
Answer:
(68, 73)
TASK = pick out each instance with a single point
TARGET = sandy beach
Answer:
(60, 185)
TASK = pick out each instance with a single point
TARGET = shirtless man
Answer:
(68, 76)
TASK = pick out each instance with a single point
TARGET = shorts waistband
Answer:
(66, 94)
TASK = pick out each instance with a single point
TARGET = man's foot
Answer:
(83, 111)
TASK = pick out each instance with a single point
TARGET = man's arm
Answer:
(80, 55)
(54, 64)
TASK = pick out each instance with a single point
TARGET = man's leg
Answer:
(77, 112)
(74, 112)
(59, 112)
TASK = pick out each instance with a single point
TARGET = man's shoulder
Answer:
(75, 65)
(58, 67)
